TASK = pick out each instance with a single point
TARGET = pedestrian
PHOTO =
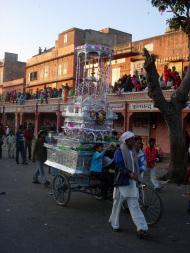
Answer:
(28, 134)
(40, 156)
(7, 130)
(2, 133)
(125, 186)
(96, 168)
(65, 92)
(11, 144)
(140, 156)
(20, 145)
(152, 158)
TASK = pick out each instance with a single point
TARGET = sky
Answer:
(27, 24)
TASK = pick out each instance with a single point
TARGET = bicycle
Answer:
(150, 204)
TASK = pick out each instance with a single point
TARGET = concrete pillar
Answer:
(21, 119)
(128, 121)
(17, 121)
(37, 114)
(58, 123)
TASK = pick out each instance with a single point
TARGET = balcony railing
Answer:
(124, 97)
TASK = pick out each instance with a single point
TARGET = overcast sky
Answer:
(27, 24)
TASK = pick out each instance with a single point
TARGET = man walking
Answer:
(11, 144)
(40, 156)
(20, 145)
(28, 134)
(126, 185)
(152, 157)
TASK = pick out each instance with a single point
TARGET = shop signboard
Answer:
(142, 107)
(10, 109)
(47, 108)
(117, 106)
(29, 109)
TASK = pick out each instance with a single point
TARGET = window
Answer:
(59, 70)
(115, 75)
(33, 76)
(65, 68)
(1, 76)
(42, 74)
(65, 39)
(46, 71)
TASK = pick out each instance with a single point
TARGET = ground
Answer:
(30, 220)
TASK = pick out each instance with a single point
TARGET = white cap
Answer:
(127, 135)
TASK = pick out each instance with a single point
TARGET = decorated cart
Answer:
(88, 120)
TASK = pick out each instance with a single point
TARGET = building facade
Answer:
(11, 70)
(56, 66)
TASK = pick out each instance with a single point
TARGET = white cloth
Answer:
(125, 136)
(134, 208)
(107, 161)
(7, 131)
(153, 178)
(10, 139)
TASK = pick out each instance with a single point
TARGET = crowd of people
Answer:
(19, 146)
(170, 79)
(42, 95)
(128, 83)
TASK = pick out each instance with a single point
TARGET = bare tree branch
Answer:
(177, 15)
(154, 89)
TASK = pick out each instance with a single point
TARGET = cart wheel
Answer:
(61, 190)
(151, 204)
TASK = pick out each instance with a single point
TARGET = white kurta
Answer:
(130, 193)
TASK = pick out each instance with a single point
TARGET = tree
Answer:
(171, 110)
(181, 14)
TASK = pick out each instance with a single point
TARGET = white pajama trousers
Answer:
(134, 208)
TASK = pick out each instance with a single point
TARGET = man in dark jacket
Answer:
(40, 156)
(28, 134)
(20, 145)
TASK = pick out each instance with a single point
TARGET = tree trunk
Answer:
(171, 110)
(178, 154)
(189, 46)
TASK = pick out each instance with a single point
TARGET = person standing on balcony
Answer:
(65, 92)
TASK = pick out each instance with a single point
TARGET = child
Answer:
(96, 168)
(97, 159)
(11, 144)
